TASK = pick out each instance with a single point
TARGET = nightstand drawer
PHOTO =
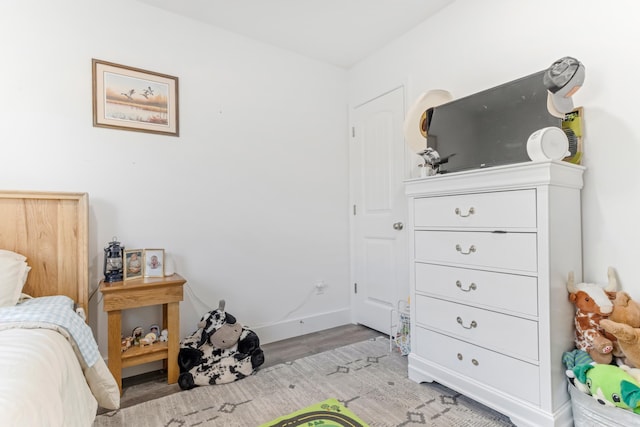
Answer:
(510, 376)
(510, 251)
(506, 292)
(507, 334)
(500, 210)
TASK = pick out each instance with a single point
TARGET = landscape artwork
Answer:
(134, 99)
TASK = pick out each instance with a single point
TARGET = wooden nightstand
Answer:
(142, 292)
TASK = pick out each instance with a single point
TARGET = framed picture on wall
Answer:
(133, 266)
(154, 263)
(133, 99)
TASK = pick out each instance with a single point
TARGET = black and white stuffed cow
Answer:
(220, 351)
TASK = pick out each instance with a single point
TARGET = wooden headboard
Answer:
(52, 231)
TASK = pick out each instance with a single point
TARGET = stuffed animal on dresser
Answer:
(220, 351)
(592, 304)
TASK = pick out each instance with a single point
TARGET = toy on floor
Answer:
(592, 304)
(609, 385)
(220, 351)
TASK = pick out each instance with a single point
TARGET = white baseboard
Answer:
(302, 326)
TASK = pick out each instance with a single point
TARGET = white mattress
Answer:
(41, 381)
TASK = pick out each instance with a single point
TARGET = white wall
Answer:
(471, 46)
(250, 200)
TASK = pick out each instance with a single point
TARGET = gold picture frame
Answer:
(154, 263)
(134, 99)
(133, 263)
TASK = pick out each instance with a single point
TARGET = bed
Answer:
(51, 372)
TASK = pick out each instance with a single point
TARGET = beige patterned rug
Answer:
(365, 377)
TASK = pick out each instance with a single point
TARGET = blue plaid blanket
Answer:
(54, 312)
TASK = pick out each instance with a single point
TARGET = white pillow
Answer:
(13, 275)
(12, 255)
(17, 257)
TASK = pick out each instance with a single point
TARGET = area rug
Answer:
(326, 414)
(365, 377)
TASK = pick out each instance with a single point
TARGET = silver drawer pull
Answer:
(470, 212)
(472, 325)
(472, 248)
(459, 356)
(475, 362)
(471, 287)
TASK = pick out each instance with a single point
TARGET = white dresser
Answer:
(490, 253)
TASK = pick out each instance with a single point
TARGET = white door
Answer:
(379, 210)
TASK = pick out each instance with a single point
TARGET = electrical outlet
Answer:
(320, 287)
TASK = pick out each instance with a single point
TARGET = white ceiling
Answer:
(340, 32)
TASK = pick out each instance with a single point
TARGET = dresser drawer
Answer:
(509, 251)
(507, 292)
(507, 334)
(499, 210)
(510, 376)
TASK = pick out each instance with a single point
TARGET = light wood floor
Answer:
(153, 385)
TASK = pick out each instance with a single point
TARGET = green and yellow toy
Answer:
(610, 385)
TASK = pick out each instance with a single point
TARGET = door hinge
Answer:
(354, 210)
(355, 288)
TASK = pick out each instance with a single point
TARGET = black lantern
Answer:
(113, 255)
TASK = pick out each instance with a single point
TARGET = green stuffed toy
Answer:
(610, 385)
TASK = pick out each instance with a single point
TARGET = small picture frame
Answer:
(154, 263)
(133, 263)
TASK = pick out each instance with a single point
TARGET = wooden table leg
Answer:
(173, 326)
(114, 342)
(165, 325)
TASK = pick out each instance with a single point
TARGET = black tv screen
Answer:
(491, 127)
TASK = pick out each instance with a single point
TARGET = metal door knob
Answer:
(398, 226)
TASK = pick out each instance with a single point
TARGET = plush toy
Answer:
(574, 358)
(625, 310)
(628, 339)
(592, 303)
(634, 372)
(220, 351)
(610, 385)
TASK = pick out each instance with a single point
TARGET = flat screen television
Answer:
(491, 127)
